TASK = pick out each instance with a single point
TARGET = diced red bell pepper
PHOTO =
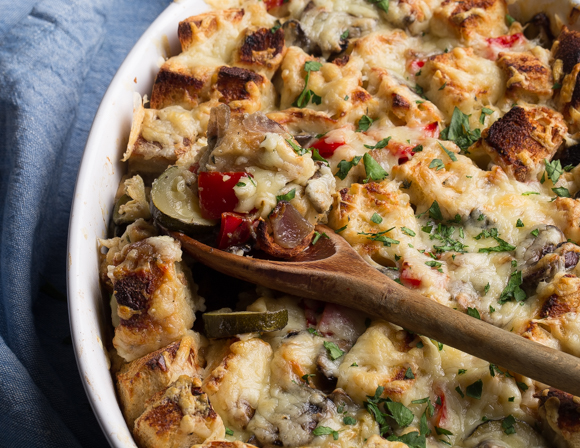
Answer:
(404, 152)
(416, 65)
(440, 410)
(274, 3)
(507, 41)
(234, 230)
(216, 193)
(326, 149)
(431, 130)
(408, 278)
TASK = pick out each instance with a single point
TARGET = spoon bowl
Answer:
(333, 272)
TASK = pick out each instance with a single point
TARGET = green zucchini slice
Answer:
(225, 325)
(174, 205)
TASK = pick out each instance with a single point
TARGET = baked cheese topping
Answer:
(439, 139)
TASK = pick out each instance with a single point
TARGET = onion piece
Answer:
(288, 226)
(291, 229)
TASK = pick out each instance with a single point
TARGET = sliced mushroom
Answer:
(532, 249)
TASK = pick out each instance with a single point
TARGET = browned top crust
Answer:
(528, 78)
(204, 25)
(232, 81)
(523, 138)
(568, 49)
(262, 46)
(568, 411)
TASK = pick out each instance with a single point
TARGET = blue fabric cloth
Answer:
(57, 58)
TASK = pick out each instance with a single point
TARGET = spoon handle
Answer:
(346, 279)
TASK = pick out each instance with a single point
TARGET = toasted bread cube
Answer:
(159, 137)
(154, 301)
(178, 417)
(196, 30)
(469, 19)
(560, 416)
(243, 90)
(404, 107)
(521, 140)
(529, 76)
(461, 79)
(139, 380)
(566, 68)
(261, 51)
(236, 384)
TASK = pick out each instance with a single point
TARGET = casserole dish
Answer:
(92, 206)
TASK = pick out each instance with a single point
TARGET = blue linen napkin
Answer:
(57, 58)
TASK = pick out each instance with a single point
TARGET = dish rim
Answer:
(91, 209)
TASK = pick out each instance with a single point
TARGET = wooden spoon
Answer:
(332, 271)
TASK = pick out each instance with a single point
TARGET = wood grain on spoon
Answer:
(332, 271)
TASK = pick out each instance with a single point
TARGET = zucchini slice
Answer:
(174, 205)
(225, 325)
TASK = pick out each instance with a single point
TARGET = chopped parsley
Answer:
(437, 164)
(344, 35)
(460, 392)
(509, 19)
(333, 350)
(473, 313)
(409, 374)
(484, 111)
(474, 390)
(408, 231)
(306, 377)
(229, 432)
(519, 223)
(561, 192)
(461, 371)
(325, 431)
(364, 123)
(381, 408)
(344, 167)
(512, 289)
(459, 131)
(348, 420)
(556, 85)
(491, 309)
(287, 197)
(373, 169)
(522, 386)
(419, 91)
(318, 235)
(314, 331)
(307, 95)
(442, 431)
(568, 168)
(535, 232)
(380, 144)
(433, 264)
(341, 229)
(486, 289)
(449, 153)
(417, 148)
(511, 399)
(297, 148)
(507, 425)
(376, 218)
(553, 170)
(435, 211)
(240, 184)
(443, 86)
(381, 4)
(354, 364)
(346, 98)
(503, 246)
(275, 27)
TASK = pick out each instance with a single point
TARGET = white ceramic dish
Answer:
(98, 179)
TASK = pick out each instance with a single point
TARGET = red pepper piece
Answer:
(216, 193)
(234, 230)
(326, 149)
